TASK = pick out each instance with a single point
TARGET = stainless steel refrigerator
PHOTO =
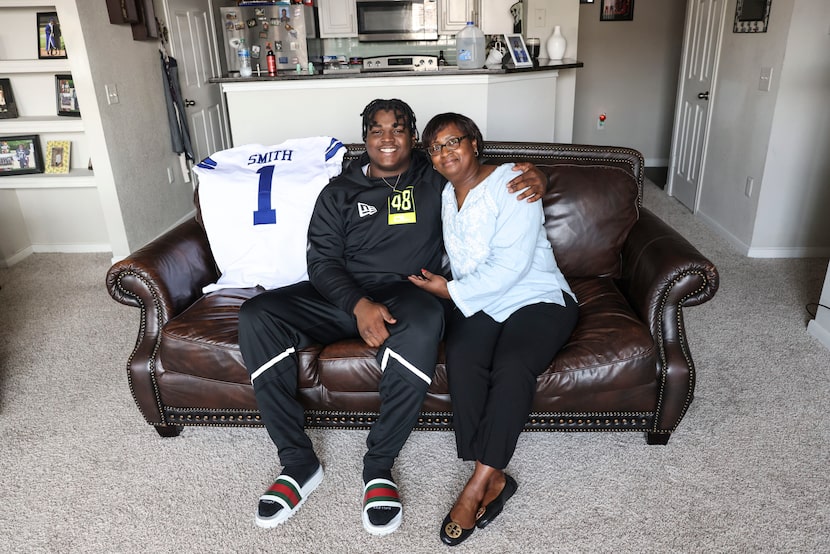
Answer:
(291, 29)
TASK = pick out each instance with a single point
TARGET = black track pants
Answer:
(492, 369)
(276, 324)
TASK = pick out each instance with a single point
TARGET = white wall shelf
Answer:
(25, 4)
(34, 66)
(41, 124)
(45, 211)
(77, 178)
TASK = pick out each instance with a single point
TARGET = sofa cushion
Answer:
(203, 341)
(589, 211)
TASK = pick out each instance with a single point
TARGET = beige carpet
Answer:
(745, 472)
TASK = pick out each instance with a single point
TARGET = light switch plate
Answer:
(765, 80)
(112, 94)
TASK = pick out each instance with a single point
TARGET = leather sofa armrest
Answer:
(661, 274)
(167, 274)
(162, 278)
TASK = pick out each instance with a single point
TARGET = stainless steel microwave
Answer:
(397, 20)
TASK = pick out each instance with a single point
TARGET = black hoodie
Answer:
(354, 243)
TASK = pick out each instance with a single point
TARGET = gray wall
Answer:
(630, 73)
(136, 129)
(780, 138)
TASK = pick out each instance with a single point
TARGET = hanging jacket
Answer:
(179, 132)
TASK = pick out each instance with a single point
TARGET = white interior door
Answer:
(193, 44)
(701, 47)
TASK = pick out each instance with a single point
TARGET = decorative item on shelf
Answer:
(556, 44)
(616, 10)
(66, 97)
(57, 156)
(147, 27)
(20, 155)
(8, 109)
(519, 56)
(122, 11)
(49, 37)
(751, 16)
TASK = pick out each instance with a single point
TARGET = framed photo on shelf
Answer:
(518, 50)
(66, 97)
(8, 109)
(57, 156)
(49, 37)
(616, 10)
(20, 155)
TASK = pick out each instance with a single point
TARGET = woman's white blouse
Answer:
(499, 252)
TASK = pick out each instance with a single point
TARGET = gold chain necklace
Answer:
(388, 184)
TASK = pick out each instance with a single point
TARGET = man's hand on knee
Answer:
(372, 318)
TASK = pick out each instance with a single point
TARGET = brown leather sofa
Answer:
(627, 366)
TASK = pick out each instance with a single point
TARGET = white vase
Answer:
(556, 44)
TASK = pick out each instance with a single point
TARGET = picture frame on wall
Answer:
(122, 11)
(57, 156)
(50, 43)
(8, 108)
(616, 10)
(20, 155)
(65, 96)
(751, 16)
(519, 55)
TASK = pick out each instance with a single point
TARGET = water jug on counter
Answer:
(469, 47)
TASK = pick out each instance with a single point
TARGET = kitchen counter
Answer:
(507, 104)
(544, 65)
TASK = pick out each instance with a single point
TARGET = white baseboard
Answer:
(765, 252)
(819, 332)
(732, 239)
(71, 248)
(16, 257)
(789, 252)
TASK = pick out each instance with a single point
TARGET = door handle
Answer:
(704, 95)
(189, 103)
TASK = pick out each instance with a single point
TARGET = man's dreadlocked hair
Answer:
(403, 113)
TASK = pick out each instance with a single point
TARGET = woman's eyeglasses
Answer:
(452, 144)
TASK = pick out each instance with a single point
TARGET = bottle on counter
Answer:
(244, 55)
(271, 59)
(442, 61)
(469, 47)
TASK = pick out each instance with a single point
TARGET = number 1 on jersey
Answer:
(264, 214)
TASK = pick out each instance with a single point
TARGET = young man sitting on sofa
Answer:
(372, 226)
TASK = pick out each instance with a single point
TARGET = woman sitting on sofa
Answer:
(513, 312)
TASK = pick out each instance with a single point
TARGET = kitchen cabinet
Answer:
(338, 19)
(483, 95)
(455, 14)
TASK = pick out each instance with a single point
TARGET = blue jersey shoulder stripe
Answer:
(207, 163)
(334, 146)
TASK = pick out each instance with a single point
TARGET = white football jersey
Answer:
(256, 203)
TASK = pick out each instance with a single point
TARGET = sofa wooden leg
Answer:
(168, 430)
(657, 438)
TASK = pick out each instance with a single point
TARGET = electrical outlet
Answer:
(750, 184)
(540, 17)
